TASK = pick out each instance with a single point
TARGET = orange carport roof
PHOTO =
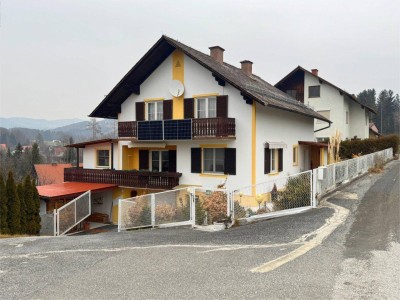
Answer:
(71, 189)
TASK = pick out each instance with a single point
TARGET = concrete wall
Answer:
(89, 155)
(359, 121)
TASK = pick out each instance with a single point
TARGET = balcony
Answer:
(186, 129)
(138, 179)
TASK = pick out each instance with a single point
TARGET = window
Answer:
(154, 110)
(314, 91)
(347, 117)
(295, 155)
(206, 107)
(291, 93)
(324, 113)
(213, 160)
(273, 160)
(103, 158)
(159, 161)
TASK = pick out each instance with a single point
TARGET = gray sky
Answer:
(59, 58)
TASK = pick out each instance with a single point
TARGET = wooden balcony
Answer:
(138, 179)
(186, 129)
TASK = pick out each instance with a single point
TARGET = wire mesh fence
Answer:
(172, 206)
(278, 194)
(211, 205)
(72, 213)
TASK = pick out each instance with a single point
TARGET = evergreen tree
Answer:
(368, 97)
(3, 207)
(18, 151)
(21, 196)
(14, 207)
(387, 108)
(36, 209)
(36, 157)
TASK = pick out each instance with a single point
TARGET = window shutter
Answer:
(230, 161)
(280, 160)
(222, 106)
(188, 108)
(172, 161)
(140, 111)
(143, 159)
(167, 109)
(196, 160)
(267, 161)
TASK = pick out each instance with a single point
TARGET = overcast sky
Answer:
(59, 58)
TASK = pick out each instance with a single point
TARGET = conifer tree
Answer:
(21, 196)
(14, 207)
(3, 207)
(28, 196)
(35, 209)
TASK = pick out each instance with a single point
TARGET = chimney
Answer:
(217, 53)
(247, 67)
(314, 72)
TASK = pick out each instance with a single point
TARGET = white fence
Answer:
(284, 195)
(72, 213)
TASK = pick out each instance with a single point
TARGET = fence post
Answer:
(313, 185)
(58, 222)
(153, 210)
(192, 192)
(119, 215)
(55, 222)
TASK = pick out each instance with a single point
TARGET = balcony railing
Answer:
(139, 179)
(186, 129)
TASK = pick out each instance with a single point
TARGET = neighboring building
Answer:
(187, 118)
(348, 115)
(50, 173)
(373, 131)
(3, 147)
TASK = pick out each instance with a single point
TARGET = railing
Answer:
(213, 127)
(141, 179)
(185, 129)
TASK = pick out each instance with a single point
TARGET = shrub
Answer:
(165, 212)
(296, 193)
(366, 146)
(215, 205)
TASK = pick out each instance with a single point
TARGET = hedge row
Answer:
(350, 147)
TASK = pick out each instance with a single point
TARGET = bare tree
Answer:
(94, 127)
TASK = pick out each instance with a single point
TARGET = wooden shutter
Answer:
(188, 108)
(195, 160)
(267, 161)
(140, 111)
(280, 160)
(230, 161)
(172, 161)
(222, 106)
(143, 159)
(167, 109)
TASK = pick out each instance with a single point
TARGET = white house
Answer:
(348, 115)
(188, 118)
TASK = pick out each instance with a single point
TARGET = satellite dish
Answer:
(176, 88)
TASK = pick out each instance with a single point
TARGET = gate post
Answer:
(119, 215)
(55, 222)
(153, 210)
(313, 185)
(192, 192)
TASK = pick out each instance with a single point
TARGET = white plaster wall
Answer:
(106, 206)
(89, 155)
(330, 100)
(359, 121)
(346, 127)
(275, 125)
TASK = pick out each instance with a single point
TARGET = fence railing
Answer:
(72, 213)
(202, 206)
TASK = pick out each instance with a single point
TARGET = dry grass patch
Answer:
(8, 236)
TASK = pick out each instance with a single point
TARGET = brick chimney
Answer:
(247, 67)
(217, 53)
(314, 72)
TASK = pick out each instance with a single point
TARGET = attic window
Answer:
(314, 91)
(291, 93)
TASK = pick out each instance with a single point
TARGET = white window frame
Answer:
(214, 160)
(207, 110)
(98, 156)
(160, 160)
(158, 110)
(274, 161)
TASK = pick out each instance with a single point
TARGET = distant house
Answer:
(50, 173)
(3, 147)
(347, 114)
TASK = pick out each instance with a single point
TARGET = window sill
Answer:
(273, 174)
(215, 175)
(103, 167)
(296, 165)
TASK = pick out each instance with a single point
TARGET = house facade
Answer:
(186, 118)
(348, 115)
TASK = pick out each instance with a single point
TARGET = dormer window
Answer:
(206, 107)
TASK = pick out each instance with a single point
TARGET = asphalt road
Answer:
(346, 249)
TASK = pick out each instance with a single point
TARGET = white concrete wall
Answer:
(275, 125)
(106, 202)
(359, 121)
(89, 155)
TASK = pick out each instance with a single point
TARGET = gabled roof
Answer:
(50, 173)
(71, 189)
(301, 69)
(251, 87)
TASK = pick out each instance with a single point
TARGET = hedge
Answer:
(363, 147)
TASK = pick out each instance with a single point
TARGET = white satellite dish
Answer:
(176, 88)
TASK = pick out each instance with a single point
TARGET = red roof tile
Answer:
(71, 189)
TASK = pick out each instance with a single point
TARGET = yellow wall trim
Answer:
(321, 156)
(96, 157)
(178, 73)
(153, 99)
(213, 145)
(205, 95)
(213, 175)
(295, 151)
